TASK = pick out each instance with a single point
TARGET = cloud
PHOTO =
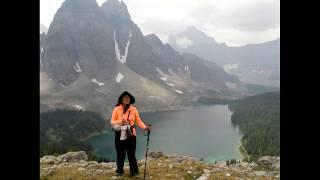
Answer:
(244, 15)
(184, 42)
(161, 27)
(229, 67)
(231, 21)
(43, 28)
(234, 37)
(236, 22)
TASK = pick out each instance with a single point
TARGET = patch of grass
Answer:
(161, 171)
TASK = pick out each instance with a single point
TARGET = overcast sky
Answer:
(235, 22)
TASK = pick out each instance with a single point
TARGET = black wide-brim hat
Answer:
(132, 99)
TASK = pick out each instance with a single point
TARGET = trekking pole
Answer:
(145, 164)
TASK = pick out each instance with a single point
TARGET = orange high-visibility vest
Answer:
(117, 116)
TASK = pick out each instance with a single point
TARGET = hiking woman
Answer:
(123, 119)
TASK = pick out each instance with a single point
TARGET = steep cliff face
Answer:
(75, 165)
(91, 54)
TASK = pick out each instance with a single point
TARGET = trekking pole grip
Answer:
(148, 131)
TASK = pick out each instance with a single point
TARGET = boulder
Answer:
(48, 160)
(155, 154)
(276, 165)
(221, 164)
(99, 171)
(73, 157)
(252, 164)
(269, 161)
(82, 163)
(206, 171)
(81, 169)
(170, 166)
(259, 173)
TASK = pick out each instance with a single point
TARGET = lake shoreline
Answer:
(93, 135)
(243, 151)
(216, 116)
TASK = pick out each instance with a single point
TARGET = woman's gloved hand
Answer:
(147, 128)
(123, 122)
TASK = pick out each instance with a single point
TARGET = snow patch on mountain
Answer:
(163, 78)
(121, 58)
(186, 68)
(78, 107)
(119, 77)
(175, 78)
(170, 84)
(77, 68)
(95, 81)
(180, 92)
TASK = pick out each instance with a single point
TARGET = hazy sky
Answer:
(235, 22)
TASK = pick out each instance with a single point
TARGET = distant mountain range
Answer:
(253, 63)
(90, 54)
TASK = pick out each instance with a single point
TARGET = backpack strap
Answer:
(128, 115)
(133, 126)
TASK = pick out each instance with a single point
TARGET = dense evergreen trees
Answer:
(62, 130)
(258, 118)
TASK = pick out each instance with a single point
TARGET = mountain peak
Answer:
(192, 35)
(192, 29)
(115, 3)
(80, 4)
(153, 37)
(116, 10)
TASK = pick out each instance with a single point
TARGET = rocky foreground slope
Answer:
(75, 165)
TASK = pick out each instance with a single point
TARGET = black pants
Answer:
(126, 146)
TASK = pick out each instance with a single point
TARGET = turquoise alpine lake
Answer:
(201, 131)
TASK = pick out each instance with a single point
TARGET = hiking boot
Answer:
(134, 174)
(119, 173)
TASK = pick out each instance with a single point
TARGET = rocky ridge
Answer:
(75, 165)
